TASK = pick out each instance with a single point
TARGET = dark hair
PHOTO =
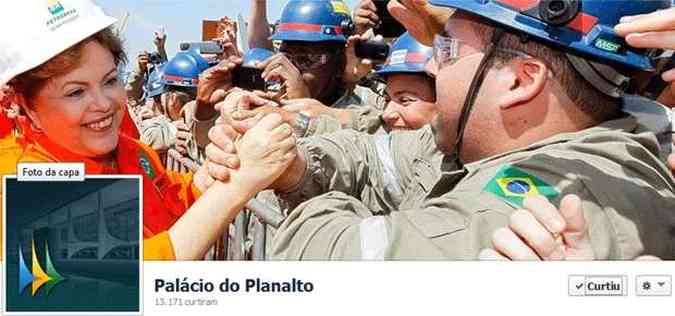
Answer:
(29, 83)
(184, 94)
(588, 99)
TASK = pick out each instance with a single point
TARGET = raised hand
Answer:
(542, 232)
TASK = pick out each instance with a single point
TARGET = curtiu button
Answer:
(597, 285)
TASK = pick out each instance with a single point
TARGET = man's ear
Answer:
(527, 77)
(172, 99)
(21, 101)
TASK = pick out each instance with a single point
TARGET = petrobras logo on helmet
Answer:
(59, 14)
(398, 57)
(55, 7)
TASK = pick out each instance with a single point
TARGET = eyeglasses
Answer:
(448, 50)
(306, 62)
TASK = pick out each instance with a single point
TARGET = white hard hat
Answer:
(35, 31)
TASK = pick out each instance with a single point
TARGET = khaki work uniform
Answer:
(366, 119)
(382, 177)
(366, 106)
(401, 189)
(159, 133)
(421, 165)
(199, 130)
(627, 195)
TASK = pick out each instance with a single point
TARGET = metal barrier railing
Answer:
(175, 161)
(262, 215)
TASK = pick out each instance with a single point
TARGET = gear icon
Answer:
(646, 285)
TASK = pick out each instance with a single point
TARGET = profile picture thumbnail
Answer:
(72, 246)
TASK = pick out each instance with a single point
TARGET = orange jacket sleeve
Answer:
(188, 191)
(158, 247)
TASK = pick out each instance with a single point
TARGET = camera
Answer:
(156, 58)
(207, 48)
(388, 26)
(248, 78)
(373, 50)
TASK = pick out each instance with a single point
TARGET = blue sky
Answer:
(181, 18)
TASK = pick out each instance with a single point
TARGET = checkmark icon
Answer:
(579, 286)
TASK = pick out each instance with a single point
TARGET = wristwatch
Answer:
(301, 124)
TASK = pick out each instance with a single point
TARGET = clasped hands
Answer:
(250, 144)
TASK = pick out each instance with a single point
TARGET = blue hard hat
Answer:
(183, 70)
(584, 27)
(407, 55)
(314, 21)
(256, 55)
(154, 85)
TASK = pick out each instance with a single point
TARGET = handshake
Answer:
(251, 148)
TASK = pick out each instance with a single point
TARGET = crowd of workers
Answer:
(402, 129)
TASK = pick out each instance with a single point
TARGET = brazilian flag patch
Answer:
(147, 166)
(513, 185)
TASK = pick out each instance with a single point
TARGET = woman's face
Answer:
(82, 110)
(411, 102)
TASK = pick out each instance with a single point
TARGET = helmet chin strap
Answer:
(603, 77)
(474, 88)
